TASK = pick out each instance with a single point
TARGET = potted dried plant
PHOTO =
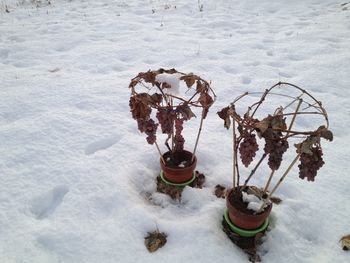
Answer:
(168, 98)
(280, 116)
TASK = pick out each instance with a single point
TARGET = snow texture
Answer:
(254, 203)
(171, 79)
(77, 179)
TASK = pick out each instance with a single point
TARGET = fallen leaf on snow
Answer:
(276, 200)
(155, 240)
(345, 241)
(220, 191)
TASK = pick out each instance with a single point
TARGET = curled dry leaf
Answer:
(166, 85)
(345, 241)
(185, 111)
(276, 200)
(206, 101)
(223, 114)
(200, 86)
(199, 181)
(325, 133)
(220, 191)
(156, 98)
(139, 107)
(306, 145)
(276, 122)
(155, 240)
(149, 76)
(190, 79)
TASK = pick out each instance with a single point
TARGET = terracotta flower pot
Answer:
(175, 173)
(245, 220)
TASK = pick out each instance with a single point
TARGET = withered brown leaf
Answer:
(205, 100)
(185, 111)
(263, 125)
(190, 79)
(345, 241)
(276, 200)
(156, 98)
(200, 86)
(149, 76)
(166, 85)
(325, 133)
(220, 191)
(139, 106)
(223, 114)
(305, 146)
(155, 240)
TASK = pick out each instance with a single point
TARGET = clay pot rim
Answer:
(190, 167)
(241, 213)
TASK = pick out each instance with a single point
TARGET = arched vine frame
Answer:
(299, 104)
(150, 91)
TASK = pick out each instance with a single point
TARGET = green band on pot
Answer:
(174, 184)
(245, 232)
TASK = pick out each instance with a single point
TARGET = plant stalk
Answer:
(160, 153)
(197, 140)
(279, 182)
(254, 170)
(238, 177)
(234, 152)
(173, 127)
(269, 181)
(294, 116)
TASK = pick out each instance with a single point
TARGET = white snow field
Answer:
(77, 180)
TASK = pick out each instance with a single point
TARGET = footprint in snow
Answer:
(101, 145)
(44, 205)
(246, 80)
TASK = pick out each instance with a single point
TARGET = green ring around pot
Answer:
(174, 184)
(245, 232)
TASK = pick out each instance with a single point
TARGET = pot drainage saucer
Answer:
(245, 232)
(179, 184)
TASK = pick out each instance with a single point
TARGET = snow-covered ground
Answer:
(76, 177)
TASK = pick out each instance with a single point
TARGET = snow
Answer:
(77, 180)
(182, 164)
(254, 203)
(171, 79)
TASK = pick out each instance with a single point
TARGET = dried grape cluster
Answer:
(179, 140)
(166, 120)
(150, 128)
(248, 148)
(310, 163)
(141, 113)
(275, 147)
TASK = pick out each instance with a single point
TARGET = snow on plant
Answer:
(160, 92)
(272, 118)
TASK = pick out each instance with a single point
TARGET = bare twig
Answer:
(172, 128)
(160, 153)
(291, 103)
(234, 153)
(294, 116)
(259, 102)
(197, 139)
(269, 181)
(302, 113)
(279, 183)
(254, 170)
(236, 164)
